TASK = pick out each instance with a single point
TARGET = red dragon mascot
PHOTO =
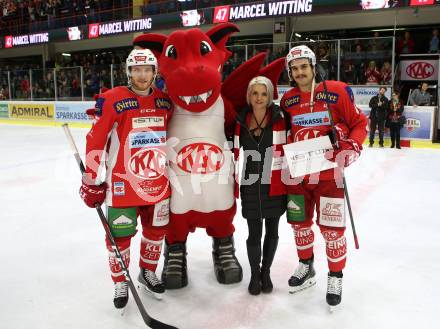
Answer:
(201, 162)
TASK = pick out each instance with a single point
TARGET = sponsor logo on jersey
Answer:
(122, 220)
(126, 104)
(292, 101)
(147, 139)
(148, 164)
(293, 206)
(200, 158)
(162, 103)
(331, 98)
(146, 122)
(311, 119)
(331, 212)
(307, 133)
(161, 215)
(118, 188)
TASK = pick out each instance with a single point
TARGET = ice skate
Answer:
(149, 281)
(303, 278)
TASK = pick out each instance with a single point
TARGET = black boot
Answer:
(254, 255)
(226, 266)
(269, 249)
(174, 273)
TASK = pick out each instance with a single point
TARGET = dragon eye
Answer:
(171, 52)
(205, 48)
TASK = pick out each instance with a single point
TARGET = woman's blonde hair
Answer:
(260, 80)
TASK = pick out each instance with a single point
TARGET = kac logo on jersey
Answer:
(147, 139)
(200, 158)
(307, 133)
(162, 103)
(148, 164)
(126, 104)
(291, 101)
(311, 119)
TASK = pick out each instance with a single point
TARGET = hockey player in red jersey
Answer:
(307, 106)
(129, 136)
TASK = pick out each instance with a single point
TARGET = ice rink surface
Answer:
(54, 271)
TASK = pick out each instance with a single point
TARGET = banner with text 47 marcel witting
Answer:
(31, 111)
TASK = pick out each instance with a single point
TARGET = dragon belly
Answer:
(201, 167)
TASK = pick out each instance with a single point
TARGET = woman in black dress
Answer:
(261, 132)
(395, 112)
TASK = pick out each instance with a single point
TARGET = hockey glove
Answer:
(349, 150)
(92, 194)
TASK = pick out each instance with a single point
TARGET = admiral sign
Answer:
(419, 70)
(260, 10)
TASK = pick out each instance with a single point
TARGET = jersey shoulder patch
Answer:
(350, 94)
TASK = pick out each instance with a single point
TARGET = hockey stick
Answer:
(149, 321)
(334, 133)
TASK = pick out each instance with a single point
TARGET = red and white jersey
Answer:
(130, 133)
(307, 123)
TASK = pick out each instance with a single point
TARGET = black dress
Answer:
(255, 200)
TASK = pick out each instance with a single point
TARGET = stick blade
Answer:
(156, 324)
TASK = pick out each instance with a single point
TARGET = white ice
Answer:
(54, 274)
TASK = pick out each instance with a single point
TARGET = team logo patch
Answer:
(147, 139)
(311, 119)
(147, 122)
(99, 105)
(118, 188)
(350, 93)
(126, 104)
(330, 97)
(332, 212)
(162, 103)
(200, 158)
(148, 164)
(291, 101)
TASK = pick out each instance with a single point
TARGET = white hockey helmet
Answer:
(139, 57)
(298, 52)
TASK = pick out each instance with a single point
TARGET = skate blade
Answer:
(122, 311)
(155, 295)
(333, 308)
(309, 283)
